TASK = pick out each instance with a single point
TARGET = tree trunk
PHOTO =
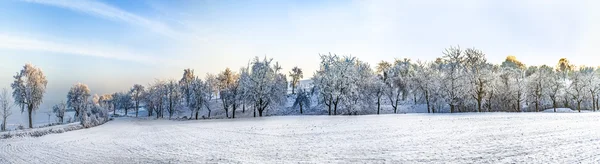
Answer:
(260, 112)
(378, 104)
(137, 108)
(244, 107)
(233, 111)
(226, 113)
(451, 108)
(554, 105)
(197, 111)
(579, 106)
(427, 100)
(29, 110)
(479, 105)
(300, 107)
(335, 108)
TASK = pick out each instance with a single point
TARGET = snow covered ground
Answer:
(404, 138)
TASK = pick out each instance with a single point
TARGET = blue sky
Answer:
(111, 45)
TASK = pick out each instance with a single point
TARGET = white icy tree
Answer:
(29, 87)
(267, 85)
(77, 99)
(5, 108)
(136, 93)
(59, 110)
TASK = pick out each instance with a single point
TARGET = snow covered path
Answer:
(411, 138)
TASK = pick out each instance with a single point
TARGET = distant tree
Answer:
(186, 88)
(555, 89)
(453, 77)
(577, 87)
(28, 89)
(212, 86)
(106, 101)
(136, 93)
(296, 74)
(77, 98)
(173, 95)
(5, 106)
(564, 67)
(537, 83)
(511, 61)
(199, 95)
(382, 67)
(227, 82)
(59, 110)
(302, 99)
(155, 98)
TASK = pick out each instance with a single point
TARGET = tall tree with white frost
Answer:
(136, 93)
(5, 105)
(77, 99)
(453, 76)
(296, 74)
(478, 72)
(29, 87)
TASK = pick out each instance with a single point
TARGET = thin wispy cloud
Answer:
(109, 12)
(8, 41)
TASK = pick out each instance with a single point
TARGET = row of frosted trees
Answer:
(459, 81)
(258, 87)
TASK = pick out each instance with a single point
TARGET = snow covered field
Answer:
(409, 138)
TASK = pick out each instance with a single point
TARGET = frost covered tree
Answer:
(555, 88)
(267, 86)
(173, 96)
(227, 83)
(398, 80)
(106, 101)
(29, 87)
(77, 99)
(577, 87)
(478, 71)
(303, 98)
(5, 105)
(332, 81)
(59, 110)
(199, 95)
(186, 88)
(453, 77)
(296, 74)
(136, 93)
(426, 81)
(537, 83)
(155, 98)
(344, 82)
(591, 78)
(211, 84)
(123, 100)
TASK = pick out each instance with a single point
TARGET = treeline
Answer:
(459, 81)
